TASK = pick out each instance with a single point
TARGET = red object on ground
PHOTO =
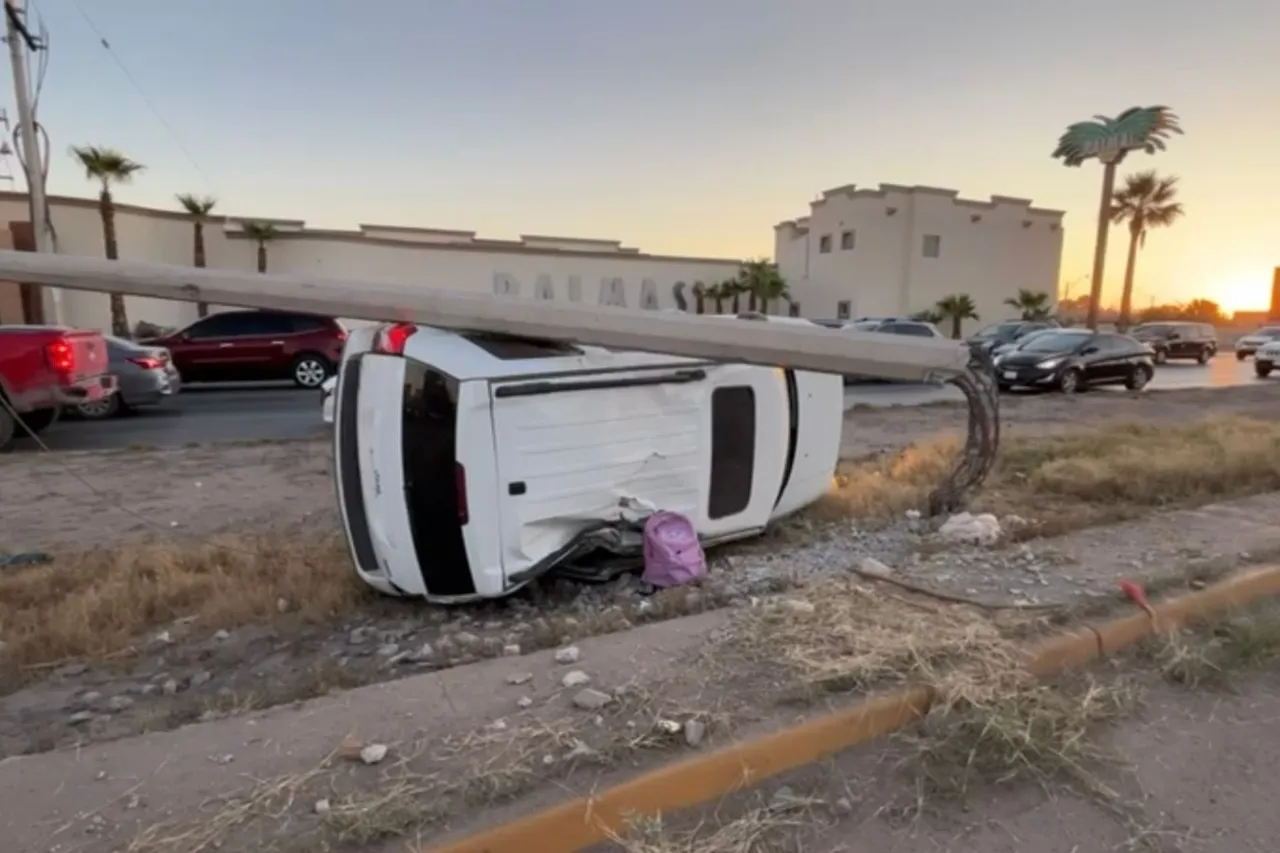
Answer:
(1137, 595)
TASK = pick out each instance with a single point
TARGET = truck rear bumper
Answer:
(85, 390)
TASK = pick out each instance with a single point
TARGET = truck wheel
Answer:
(1240, 356)
(8, 426)
(1263, 369)
(37, 421)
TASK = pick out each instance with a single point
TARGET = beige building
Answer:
(897, 250)
(595, 271)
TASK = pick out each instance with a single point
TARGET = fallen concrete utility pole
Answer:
(783, 344)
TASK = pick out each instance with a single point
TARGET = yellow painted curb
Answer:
(685, 784)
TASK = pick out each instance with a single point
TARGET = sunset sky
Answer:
(682, 126)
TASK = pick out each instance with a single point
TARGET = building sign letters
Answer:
(610, 290)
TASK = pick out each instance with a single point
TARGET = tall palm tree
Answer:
(1031, 304)
(764, 284)
(957, 308)
(699, 297)
(1146, 201)
(198, 208)
(108, 166)
(263, 233)
(715, 291)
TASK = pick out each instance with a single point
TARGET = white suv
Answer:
(1266, 359)
(1254, 341)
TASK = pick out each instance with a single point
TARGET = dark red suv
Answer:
(239, 346)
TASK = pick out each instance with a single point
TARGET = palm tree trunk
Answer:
(719, 304)
(699, 300)
(1126, 297)
(106, 210)
(955, 327)
(198, 259)
(262, 257)
(736, 303)
(751, 300)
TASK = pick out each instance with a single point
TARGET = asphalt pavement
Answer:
(267, 411)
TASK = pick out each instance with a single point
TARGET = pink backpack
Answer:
(672, 553)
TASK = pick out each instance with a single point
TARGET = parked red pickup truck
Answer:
(42, 369)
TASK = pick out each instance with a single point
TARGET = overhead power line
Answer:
(155, 111)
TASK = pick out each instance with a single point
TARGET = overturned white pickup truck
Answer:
(470, 464)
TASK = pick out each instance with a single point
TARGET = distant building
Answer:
(897, 250)
(1274, 313)
(535, 267)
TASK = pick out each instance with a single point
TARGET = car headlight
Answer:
(1049, 363)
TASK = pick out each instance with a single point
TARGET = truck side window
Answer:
(733, 450)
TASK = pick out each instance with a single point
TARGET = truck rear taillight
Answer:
(460, 486)
(391, 339)
(61, 356)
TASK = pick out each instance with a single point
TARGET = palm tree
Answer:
(957, 308)
(198, 209)
(762, 281)
(1146, 201)
(699, 297)
(1031, 304)
(264, 233)
(109, 166)
(717, 293)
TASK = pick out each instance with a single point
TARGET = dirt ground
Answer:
(223, 675)
(86, 499)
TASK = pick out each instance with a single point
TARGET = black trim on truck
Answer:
(433, 482)
(532, 389)
(351, 489)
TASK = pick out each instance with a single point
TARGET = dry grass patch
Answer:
(1214, 655)
(103, 602)
(1067, 481)
(839, 636)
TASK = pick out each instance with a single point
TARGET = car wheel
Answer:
(1161, 356)
(38, 421)
(310, 371)
(1240, 356)
(1263, 369)
(1138, 378)
(1204, 356)
(100, 410)
(1069, 383)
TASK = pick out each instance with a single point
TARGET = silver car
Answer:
(145, 376)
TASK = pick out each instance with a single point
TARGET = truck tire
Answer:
(37, 421)
(8, 428)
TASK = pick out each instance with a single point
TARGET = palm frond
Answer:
(198, 206)
(105, 164)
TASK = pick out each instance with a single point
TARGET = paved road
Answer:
(278, 410)
(223, 412)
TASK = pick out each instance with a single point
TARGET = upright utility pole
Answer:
(20, 41)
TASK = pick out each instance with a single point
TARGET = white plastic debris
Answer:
(373, 753)
(971, 529)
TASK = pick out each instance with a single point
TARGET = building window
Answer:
(932, 245)
(843, 309)
(847, 240)
(824, 243)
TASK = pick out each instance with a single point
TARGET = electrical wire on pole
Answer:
(21, 41)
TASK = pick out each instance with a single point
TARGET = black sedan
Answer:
(1073, 359)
